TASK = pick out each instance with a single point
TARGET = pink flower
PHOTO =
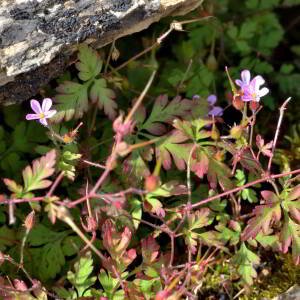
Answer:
(253, 92)
(41, 113)
(251, 89)
(245, 75)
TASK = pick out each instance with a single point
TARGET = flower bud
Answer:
(211, 63)
(238, 103)
(220, 156)
(115, 54)
(254, 105)
(30, 220)
(151, 183)
(236, 132)
(123, 149)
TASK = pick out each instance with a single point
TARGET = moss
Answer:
(283, 275)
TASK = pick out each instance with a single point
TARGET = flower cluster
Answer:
(250, 90)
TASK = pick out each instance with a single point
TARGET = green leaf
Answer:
(228, 235)
(13, 186)
(109, 283)
(267, 240)
(286, 68)
(104, 96)
(41, 169)
(232, 31)
(12, 164)
(172, 145)
(72, 101)
(252, 4)
(247, 30)
(296, 49)
(12, 114)
(290, 234)
(40, 235)
(71, 244)
(200, 218)
(135, 211)
(244, 260)
(90, 64)
(21, 138)
(250, 195)
(81, 279)
(52, 260)
(7, 237)
(165, 112)
(265, 215)
(68, 155)
(218, 172)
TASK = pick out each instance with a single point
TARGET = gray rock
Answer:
(39, 37)
(292, 293)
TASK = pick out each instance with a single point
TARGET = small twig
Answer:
(243, 187)
(184, 76)
(54, 185)
(173, 26)
(281, 113)
(63, 214)
(109, 55)
(141, 97)
(93, 164)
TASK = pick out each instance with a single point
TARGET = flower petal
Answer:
(35, 105)
(46, 105)
(211, 99)
(245, 75)
(239, 83)
(43, 121)
(263, 92)
(217, 111)
(32, 116)
(256, 82)
(50, 113)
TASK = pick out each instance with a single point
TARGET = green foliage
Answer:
(199, 211)
(73, 97)
(244, 260)
(81, 279)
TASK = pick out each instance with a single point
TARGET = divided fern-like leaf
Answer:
(164, 112)
(172, 145)
(34, 178)
(89, 64)
(73, 98)
(245, 259)
(104, 97)
(265, 215)
(290, 234)
(80, 278)
(72, 101)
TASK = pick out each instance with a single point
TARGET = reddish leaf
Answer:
(290, 234)
(34, 178)
(13, 186)
(265, 215)
(104, 96)
(200, 167)
(150, 250)
(164, 112)
(294, 193)
(171, 145)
